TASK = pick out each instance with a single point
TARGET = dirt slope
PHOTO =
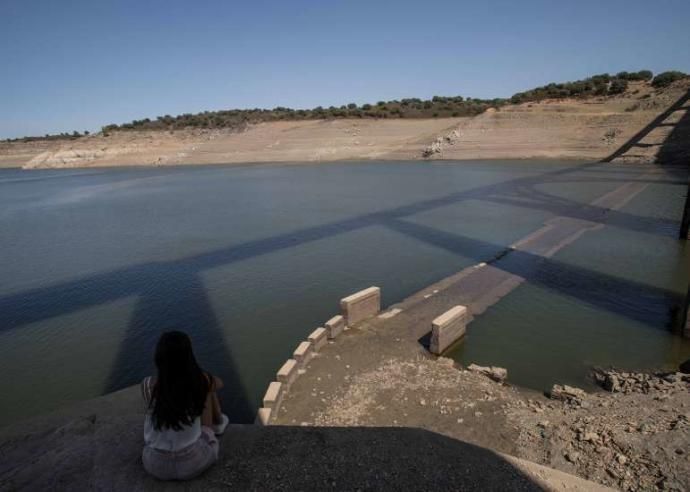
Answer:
(306, 141)
(592, 128)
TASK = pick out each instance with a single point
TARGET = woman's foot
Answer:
(220, 427)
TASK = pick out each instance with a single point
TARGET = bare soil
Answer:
(591, 128)
(633, 440)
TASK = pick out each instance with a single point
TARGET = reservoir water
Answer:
(250, 259)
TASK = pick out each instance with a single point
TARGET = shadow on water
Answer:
(532, 199)
(633, 300)
(178, 294)
(174, 290)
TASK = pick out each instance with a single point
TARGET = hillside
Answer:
(587, 127)
(591, 128)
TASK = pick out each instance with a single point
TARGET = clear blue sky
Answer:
(76, 64)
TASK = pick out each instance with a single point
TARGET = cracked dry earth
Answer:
(638, 440)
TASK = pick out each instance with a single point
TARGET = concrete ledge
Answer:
(448, 329)
(273, 396)
(335, 326)
(96, 445)
(263, 416)
(361, 305)
(303, 354)
(318, 339)
(685, 315)
(288, 373)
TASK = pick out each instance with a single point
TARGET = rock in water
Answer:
(498, 374)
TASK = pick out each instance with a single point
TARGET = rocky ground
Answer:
(634, 437)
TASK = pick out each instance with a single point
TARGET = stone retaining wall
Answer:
(355, 308)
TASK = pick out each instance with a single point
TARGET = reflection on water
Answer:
(250, 259)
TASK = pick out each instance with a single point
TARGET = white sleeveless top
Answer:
(167, 439)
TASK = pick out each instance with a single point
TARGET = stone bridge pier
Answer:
(685, 326)
(685, 222)
(684, 226)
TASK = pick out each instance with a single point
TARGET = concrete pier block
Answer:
(447, 329)
(263, 416)
(685, 322)
(273, 396)
(335, 326)
(288, 373)
(685, 222)
(361, 305)
(302, 354)
(318, 339)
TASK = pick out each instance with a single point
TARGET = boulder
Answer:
(567, 393)
(612, 383)
(434, 148)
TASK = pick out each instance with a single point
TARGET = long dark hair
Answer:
(181, 387)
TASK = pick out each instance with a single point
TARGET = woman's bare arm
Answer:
(215, 382)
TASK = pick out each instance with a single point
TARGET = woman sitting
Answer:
(183, 414)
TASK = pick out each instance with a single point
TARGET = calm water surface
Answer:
(248, 260)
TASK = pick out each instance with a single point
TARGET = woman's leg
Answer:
(217, 414)
(212, 413)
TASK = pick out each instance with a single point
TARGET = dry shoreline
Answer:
(377, 373)
(590, 128)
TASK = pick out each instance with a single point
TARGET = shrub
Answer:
(601, 78)
(437, 106)
(618, 86)
(667, 78)
(641, 75)
(601, 89)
